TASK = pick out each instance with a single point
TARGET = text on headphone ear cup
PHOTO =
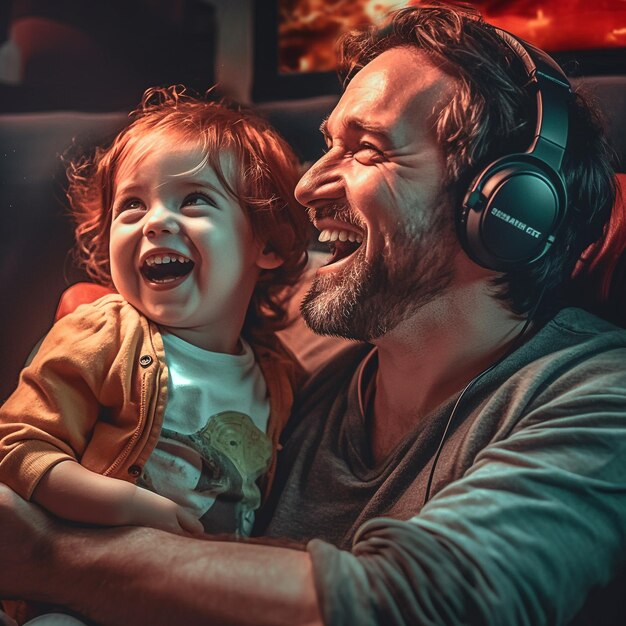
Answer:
(511, 213)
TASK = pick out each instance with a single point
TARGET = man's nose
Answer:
(321, 183)
(160, 221)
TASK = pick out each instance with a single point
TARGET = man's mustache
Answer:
(342, 212)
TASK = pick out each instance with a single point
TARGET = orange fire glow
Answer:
(308, 29)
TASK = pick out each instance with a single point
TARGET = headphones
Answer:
(514, 207)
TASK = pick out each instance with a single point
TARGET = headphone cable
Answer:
(514, 345)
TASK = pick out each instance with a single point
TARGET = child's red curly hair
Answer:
(268, 169)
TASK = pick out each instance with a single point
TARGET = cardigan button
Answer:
(145, 360)
(134, 470)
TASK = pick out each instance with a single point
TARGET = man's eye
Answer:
(368, 147)
(367, 154)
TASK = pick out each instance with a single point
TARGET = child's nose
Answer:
(160, 221)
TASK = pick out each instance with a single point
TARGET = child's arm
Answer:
(75, 493)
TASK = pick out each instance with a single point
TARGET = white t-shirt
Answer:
(213, 445)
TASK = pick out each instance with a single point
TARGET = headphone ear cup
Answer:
(511, 213)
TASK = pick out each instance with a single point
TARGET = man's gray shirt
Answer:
(526, 523)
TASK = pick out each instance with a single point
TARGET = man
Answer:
(513, 435)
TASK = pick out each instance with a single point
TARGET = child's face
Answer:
(182, 250)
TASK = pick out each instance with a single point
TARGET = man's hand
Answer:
(26, 534)
(96, 573)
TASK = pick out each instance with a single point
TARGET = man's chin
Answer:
(322, 305)
(338, 310)
(366, 307)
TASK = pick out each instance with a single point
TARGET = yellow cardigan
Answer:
(96, 393)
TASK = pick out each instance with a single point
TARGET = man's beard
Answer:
(367, 299)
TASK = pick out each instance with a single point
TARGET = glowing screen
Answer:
(308, 29)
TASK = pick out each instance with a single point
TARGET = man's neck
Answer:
(432, 356)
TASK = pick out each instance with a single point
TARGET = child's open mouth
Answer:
(166, 268)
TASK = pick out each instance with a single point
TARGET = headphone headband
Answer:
(551, 86)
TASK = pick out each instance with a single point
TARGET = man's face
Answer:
(380, 183)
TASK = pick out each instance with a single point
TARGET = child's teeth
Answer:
(159, 259)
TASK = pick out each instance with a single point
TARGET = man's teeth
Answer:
(159, 259)
(331, 234)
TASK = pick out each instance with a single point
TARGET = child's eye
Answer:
(128, 204)
(198, 199)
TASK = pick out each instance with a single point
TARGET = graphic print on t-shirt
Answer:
(216, 468)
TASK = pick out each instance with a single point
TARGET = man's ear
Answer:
(267, 259)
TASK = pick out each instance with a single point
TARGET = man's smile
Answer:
(343, 238)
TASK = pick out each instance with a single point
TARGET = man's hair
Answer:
(264, 173)
(492, 114)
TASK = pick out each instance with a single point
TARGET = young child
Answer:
(162, 404)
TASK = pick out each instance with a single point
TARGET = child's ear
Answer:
(268, 259)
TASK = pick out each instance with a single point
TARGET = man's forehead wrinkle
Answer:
(354, 104)
(358, 115)
(367, 126)
(363, 125)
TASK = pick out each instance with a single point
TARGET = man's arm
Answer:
(530, 534)
(146, 576)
